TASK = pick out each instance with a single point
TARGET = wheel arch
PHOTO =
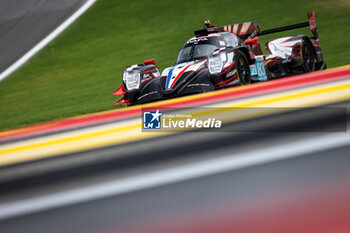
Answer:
(245, 51)
(306, 38)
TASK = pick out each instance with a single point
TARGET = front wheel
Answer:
(308, 56)
(242, 67)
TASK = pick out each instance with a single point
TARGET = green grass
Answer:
(77, 72)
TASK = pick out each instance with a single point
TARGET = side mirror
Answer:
(251, 41)
(150, 62)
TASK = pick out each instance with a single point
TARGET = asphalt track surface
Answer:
(24, 23)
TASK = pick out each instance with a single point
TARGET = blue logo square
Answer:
(152, 120)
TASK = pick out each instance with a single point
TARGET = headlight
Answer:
(132, 79)
(216, 62)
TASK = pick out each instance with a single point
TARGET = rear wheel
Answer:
(308, 56)
(242, 67)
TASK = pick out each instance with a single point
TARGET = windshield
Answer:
(197, 49)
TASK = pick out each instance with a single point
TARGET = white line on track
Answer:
(172, 175)
(46, 40)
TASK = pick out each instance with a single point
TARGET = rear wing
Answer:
(311, 23)
(250, 30)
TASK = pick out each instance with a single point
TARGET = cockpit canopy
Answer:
(201, 47)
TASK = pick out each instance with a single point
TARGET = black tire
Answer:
(242, 68)
(308, 56)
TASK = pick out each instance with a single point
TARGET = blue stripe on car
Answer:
(170, 74)
(169, 77)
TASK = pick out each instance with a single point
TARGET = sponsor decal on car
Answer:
(198, 85)
(147, 94)
(231, 73)
(259, 68)
(196, 40)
